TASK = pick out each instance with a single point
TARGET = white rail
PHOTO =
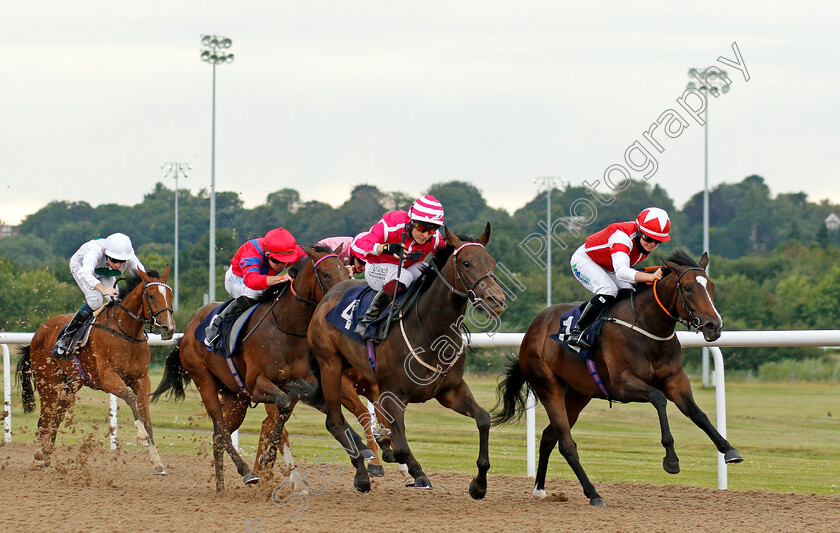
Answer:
(26, 338)
(512, 340)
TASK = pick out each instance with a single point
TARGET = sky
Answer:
(324, 95)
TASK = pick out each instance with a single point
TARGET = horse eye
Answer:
(467, 263)
(327, 275)
(688, 288)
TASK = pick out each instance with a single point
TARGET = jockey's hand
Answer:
(656, 275)
(109, 291)
(349, 269)
(394, 248)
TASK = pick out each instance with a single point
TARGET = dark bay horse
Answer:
(422, 357)
(115, 359)
(268, 360)
(638, 358)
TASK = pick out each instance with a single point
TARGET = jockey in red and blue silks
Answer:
(603, 264)
(255, 267)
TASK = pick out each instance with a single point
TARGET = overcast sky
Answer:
(325, 95)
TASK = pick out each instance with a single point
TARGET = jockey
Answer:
(603, 263)
(348, 257)
(95, 267)
(401, 237)
(255, 267)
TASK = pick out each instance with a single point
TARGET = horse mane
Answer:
(681, 257)
(321, 248)
(133, 280)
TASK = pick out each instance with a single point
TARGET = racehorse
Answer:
(267, 359)
(115, 359)
(637, 356)
(420, 359)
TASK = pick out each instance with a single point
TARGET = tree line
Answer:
(774, 261)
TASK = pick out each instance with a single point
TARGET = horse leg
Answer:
(633, 389)
(678, 390)
(350, 400)
(553, 399)
(460, 400)
(55, 401)
(547, 442)
(221, 433)
(402, 452)
(331, 372)
(142, 389)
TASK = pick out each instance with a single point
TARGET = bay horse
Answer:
(421, 358)
(637, 355)
(115, 359)
(267, 361)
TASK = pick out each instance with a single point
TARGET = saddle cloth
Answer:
(568, 321)
(352, 307)
(229, 332)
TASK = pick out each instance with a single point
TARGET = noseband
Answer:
(696, 322)
(470, 293)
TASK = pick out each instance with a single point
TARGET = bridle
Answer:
(146, 309)
(695, 321)
(458, 277)
(317, 278)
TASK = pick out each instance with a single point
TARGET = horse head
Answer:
(473, 273)
(696, 292)
(318, 272)
(157, 302)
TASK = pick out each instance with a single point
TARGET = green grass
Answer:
(788, 433)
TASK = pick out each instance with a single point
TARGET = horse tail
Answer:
(24, 377)
(313, 394)
(511, 395)
(175, 378)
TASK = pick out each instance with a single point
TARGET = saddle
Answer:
(355, 302)
(229, 332)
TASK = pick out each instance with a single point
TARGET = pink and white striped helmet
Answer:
(427, 209)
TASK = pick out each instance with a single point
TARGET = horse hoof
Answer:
(376, 470)
(476, 490)
(367, 455)
(161, 471)
(361, 484)
(251, 478)
(598, 502)
(672, 467)
(732, 456)
(142, 442)
(388, 456)
(422, 482)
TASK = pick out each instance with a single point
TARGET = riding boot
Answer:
(62, 345)
(240, 305)
(577, 336)
(380, 302)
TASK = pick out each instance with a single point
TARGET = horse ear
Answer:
(704, 261)
(484, 238)
(309, 251)
(451, 238)
(338, 250)
(142, 275)
(165, 275)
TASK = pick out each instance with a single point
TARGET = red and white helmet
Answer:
(654, 223)
(426, 209)
(280, 244)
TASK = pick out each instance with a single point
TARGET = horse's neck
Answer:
(133, 303)
(649, 315)
(440, 309)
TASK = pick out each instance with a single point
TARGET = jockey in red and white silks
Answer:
(407, 236)
(603, 264)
